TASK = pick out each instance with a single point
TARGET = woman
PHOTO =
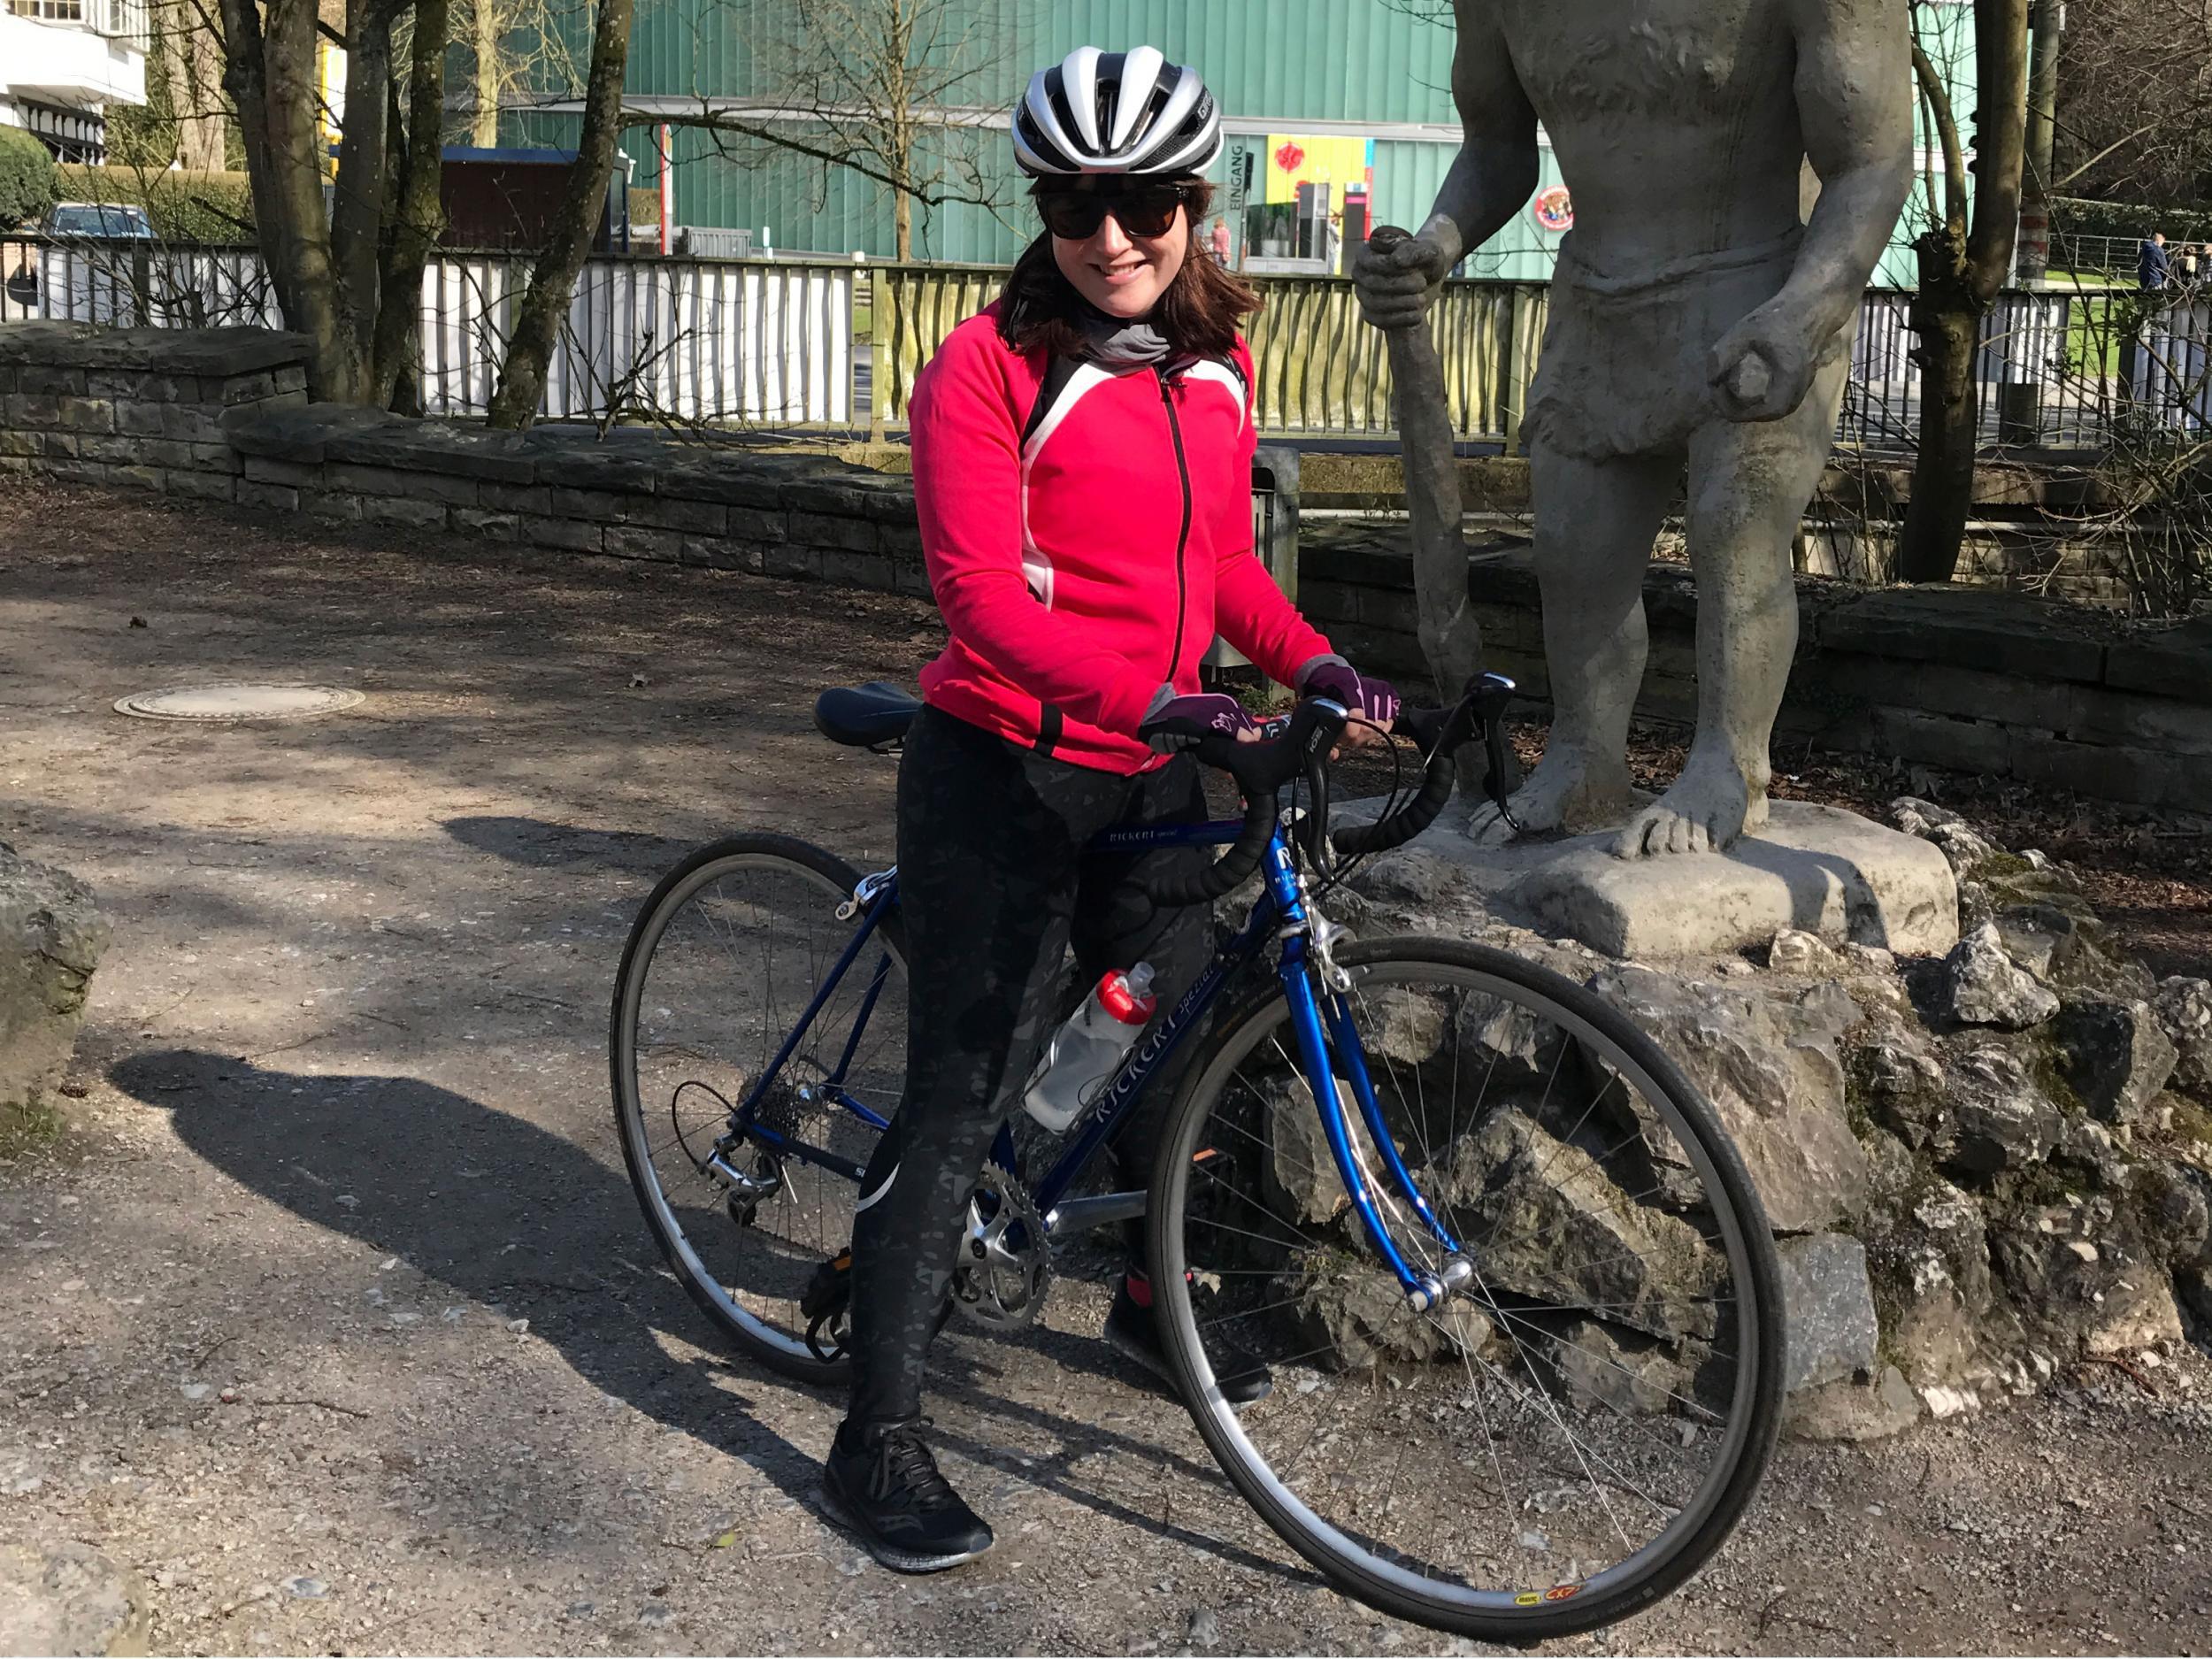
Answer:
(1082, 464)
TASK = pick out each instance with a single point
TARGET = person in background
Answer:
(2185, 265)
(1221, 241)
(2152, 265)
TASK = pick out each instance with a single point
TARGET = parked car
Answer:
(113, 220)
(83, 282)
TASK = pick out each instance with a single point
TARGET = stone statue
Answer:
(1698, 317)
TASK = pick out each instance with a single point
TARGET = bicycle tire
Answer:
(1499, 1615)
(834, 879)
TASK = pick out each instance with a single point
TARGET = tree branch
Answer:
(2000, 141)
(1936, 96)
(851, 155)
(2117, 145)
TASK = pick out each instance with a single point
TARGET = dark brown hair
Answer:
(1199, 314)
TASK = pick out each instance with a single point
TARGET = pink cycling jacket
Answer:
(1087, 534)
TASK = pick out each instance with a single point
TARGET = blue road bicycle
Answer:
(1518, 1293)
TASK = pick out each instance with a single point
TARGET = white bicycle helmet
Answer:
(1116, 112)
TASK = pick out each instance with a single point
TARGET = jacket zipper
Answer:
(1182, 538)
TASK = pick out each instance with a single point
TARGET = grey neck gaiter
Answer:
(1121, 346)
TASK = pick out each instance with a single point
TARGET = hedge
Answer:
(2072, 217)
(27, 184)
(184, 206)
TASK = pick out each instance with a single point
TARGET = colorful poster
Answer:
(1554, 210)
(1293, 161)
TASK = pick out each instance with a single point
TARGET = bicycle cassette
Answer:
(1005, 1257)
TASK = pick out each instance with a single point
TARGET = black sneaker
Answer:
(1133, 1331)
(884, 1485)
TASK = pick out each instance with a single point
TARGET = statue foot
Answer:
(1709, 806)
(1567, 792)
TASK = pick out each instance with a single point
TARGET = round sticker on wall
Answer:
(1554, 209)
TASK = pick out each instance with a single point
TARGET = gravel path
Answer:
(337, 1319)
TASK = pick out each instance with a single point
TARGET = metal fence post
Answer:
(1274, 539)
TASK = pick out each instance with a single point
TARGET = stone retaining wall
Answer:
(1992, 683)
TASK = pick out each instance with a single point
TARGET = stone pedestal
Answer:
(1814, 869)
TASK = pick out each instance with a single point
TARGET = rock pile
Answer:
(1980, 1166)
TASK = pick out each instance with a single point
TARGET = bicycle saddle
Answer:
(865, 716)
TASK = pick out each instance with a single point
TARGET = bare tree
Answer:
(2135, 102)
(191, 48)
(553, 279)
(331, 271)
(516, 49)
(1964, 258)
(883, 88)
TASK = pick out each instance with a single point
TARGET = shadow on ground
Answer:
(449, 1184)
(540, 845)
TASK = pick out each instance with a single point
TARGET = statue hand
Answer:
(1763, 368)
(1396, 276)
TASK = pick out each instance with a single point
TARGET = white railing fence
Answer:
(692, 339)
(681, 340)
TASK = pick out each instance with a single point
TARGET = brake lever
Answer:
(1491, 695)
(1318, 852)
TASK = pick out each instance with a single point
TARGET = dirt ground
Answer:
(335, 1319)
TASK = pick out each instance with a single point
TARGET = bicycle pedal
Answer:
(830, 1288)
(826, 1307)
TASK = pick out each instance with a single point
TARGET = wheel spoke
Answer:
(1581, 1406)
(720, 969)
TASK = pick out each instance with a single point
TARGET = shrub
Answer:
(28, 186)
(215, 207)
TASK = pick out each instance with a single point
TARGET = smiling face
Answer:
(1123, 275)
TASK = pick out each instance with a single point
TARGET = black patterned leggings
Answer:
(993, 887)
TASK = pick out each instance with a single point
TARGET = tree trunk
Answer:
(201, 127)
(193, 60)
(243, 79)
(272, 80)
(484, 127)
(1961, 271)
(173, 26)
(902, 216)
(418, 218)
(553, 279)
(1946, 319)
(2035, 189)
(356, 224)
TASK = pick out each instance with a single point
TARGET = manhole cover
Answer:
(237, 702)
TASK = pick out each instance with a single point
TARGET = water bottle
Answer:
(1084, 1053)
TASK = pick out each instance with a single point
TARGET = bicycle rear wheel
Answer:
(730, 952)
(1568, 1438)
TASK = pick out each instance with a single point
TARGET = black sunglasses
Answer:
(1146, 211)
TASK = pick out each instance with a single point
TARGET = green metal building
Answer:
(1323, 84)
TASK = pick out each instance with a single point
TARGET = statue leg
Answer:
(1595, 522)
(1748, 485)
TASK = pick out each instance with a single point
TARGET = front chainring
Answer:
(1005, 1261)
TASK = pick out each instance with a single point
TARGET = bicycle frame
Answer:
(1321, 1020)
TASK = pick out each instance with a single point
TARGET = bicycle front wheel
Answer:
(750, 1042)
(1567, 1438)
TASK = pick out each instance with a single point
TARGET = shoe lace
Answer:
(903, 1462)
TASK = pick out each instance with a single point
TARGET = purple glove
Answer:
(1373, 701)
(1173, 723)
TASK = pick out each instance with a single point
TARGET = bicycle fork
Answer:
(1318, 1029)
